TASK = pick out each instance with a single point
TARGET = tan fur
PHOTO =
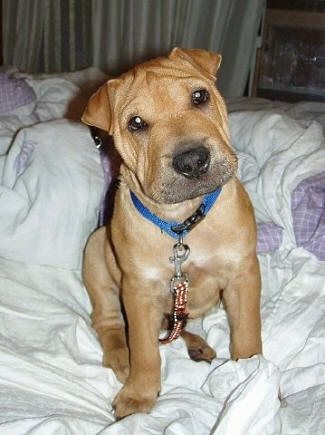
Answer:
(129, 260)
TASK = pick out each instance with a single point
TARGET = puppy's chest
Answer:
(204, 284)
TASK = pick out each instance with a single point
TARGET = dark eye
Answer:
(200, 96)
(136, 123)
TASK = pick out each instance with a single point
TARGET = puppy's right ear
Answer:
(98, 112)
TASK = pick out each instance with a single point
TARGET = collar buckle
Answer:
(190, 222)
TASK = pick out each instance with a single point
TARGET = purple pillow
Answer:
(269, 237)
(14, 94)
(308, 213)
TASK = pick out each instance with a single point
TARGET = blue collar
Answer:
(177, 229)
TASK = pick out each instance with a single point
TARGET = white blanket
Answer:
(51, 377)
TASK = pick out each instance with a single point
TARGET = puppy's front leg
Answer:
(107, 315)
(144, 321)
(242, 302)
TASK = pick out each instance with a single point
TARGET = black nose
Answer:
(192, 163)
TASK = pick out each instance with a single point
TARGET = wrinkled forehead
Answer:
(160, 82)
(165, 68)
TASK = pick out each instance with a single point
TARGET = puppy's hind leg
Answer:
(198, 348)
(101, 277)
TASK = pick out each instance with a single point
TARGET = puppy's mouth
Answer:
(195, 172)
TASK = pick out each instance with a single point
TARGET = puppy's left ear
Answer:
(97, 111)
(207, 60)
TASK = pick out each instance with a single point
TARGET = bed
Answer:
(53, 184)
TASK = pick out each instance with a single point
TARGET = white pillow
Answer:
(50, 194)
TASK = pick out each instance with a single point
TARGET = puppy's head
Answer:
(169, 124)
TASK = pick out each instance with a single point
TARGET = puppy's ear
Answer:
(98, 111)
(207, 60)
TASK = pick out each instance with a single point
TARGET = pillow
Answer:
(50, 192)
(16, 96)
(9, 125)
(308, 214)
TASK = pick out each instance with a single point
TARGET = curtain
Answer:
(66, 35)
(22, 32)
(47, 35)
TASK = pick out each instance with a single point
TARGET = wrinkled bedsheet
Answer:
(51, 377)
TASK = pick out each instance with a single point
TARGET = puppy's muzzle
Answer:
(192, 163)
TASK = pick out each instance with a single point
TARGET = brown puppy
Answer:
(169, 124)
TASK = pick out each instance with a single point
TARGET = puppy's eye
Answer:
(200, 96)
(137, 123)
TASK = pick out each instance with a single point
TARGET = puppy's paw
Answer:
(203, 353)
(129, 401)
(198, 349)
